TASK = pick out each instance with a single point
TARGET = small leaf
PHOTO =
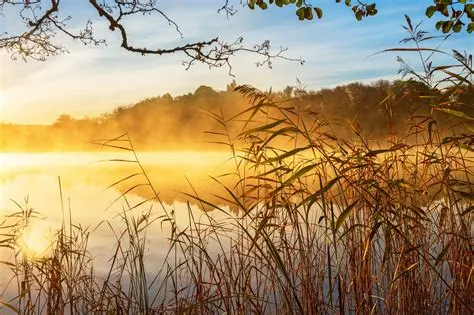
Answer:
(251, 4)
(286, 155)
(373, 232)
(312, 199)
(407, 18)
(343, 216)
(466, 195)
(321, 218)
(457, 76)
(439, 24)
(466, 147)
(430, 11)
(319, 12)
(300, 14)
(447, 26)
(457, 27)
(308, 13)
(380, 151)
(10, 306)
(467, 211)
(454, 113)
(470, 27)
(7, 263)
(264, 127)
(445, 12)
(295, 176)
(442, 254)
(404, 272)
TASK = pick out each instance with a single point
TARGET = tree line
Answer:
(378, 109)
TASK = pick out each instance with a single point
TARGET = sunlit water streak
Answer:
(14, 161)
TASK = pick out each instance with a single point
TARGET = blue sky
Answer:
(92, 80)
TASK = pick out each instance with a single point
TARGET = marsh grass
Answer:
(313, 223)
(319, 225)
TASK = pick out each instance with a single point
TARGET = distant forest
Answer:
(165, 122)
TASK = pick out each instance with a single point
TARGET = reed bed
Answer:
(312, 224)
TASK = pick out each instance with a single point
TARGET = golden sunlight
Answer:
(15, 160)
(3, 100)
(34, 241)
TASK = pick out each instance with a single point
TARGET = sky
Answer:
(91, 80)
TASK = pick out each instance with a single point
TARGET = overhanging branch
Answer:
(43, 25)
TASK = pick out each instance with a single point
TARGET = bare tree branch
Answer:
(43, 25)
(228, 9)
(37, 42)
(213, 52)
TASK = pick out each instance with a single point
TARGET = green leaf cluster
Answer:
(306, 11)
(460, 15)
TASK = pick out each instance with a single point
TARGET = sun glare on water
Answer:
(34, 242)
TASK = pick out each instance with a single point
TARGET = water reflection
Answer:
(94, 191)
(170, 172)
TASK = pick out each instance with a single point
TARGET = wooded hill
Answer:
(379, 110)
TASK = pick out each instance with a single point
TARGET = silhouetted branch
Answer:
(38, 41)
(228, 9)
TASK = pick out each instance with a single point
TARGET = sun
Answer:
(34, 241)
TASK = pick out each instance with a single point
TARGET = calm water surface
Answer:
(80, 185)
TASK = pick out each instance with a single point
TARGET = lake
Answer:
(90, 189)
